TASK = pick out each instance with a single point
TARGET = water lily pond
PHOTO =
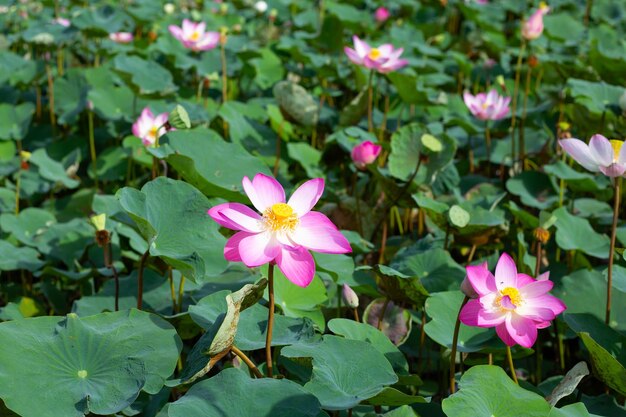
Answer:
(322, 208)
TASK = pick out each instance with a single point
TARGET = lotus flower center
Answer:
(509, 296)
(280, 217)
(617, 147)
(194, 36)
(153, 132)
(485, 106)
(374, 54)
(543, 5)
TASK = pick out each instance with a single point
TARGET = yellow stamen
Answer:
(485, 105)
(543, 5)
(194, 36)
(617, 147)
(374, 54)
(153, 131)
(513, 294)
(280, 217)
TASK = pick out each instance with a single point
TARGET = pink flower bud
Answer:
(381, 14)
(350, 297)
(533, 27)
(365, 153)
(121, 37)
(467, 289)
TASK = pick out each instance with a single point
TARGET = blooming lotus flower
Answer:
(121, 37)
(382, 14)
(606, 156)
(62, 21)
(382, 59)
(284, 232)
(149, 128)
(365, 153)
(193, 36)
(491, 106)
(515, 304)
(533, 27)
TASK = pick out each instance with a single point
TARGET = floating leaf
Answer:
(575, 233)
(294, 100)
(15, 120)
(147, 77)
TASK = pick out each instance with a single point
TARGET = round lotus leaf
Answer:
(458, 216)
(297, 103)
(431, 143)
(75, 366)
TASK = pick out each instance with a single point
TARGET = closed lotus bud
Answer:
(350, 297)
(179, 118)
(169, 8)
(500, 81)
(260, 6)
(467, 289)
(223, 35)
(541, 235)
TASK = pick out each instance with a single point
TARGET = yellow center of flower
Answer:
(513, 294)
(374, 54)
(617, 147)
(194, 36)
(485, 105)
(543, 5)
(153, 132)
(280, 217)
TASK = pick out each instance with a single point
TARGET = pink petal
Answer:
(621, 158)
(542, 277)
(613, 170)
(317, 233)
(208, 41)
(188, 28)
(231, 249)
(469, 313)
(490, 318)
(481, 279)
(176, 32)
(200, 27)
(297, 265)
(306, 196)
(386, 50)
(503, 333)
(263, 191)
(258, 249)
(506, 272)
(579, 150)
(523, 280)
(547, 301)
(353, 56)
(522, 330)
(236, 216)
(361, 48)
(536, 289)
(601, 150)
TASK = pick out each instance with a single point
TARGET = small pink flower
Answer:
(533, 27)
(382, 59)
(284, 232)
(382, 14)
(62, 21)
(491, 106)
(149, 128)
(482, 1)
(121, 37)
(515, 304)
(606, 156)
(349, 296)
(365, 153)
(193, 36)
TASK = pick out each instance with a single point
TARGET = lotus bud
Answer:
(467, 289)
(350, 297)
(260, 7)
(169, 8)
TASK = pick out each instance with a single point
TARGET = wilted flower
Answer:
(382, 14)
(350, 297)
(491, 106)
(284, 232)
(121, 37)
(194, 36)
(382, 59)
(515, 304)
(533, 27)
(606, 156)
(365, 153)
(149, 128)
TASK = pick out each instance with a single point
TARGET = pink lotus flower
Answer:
(382, 14)
(491, 106)
(149, 128)
(606, 156)
(365, 153)
(121, 37)
(193, 36)
(62, 21)
(284, 232)
(382, 59)
(515, 304)
(533, 27)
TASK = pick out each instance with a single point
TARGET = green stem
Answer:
(488, 147)
(522, 147)
(181, 288)
(92, 147)
(609, 284)
(455, 340)
(514, 101)
(370, 122)
(270, 320)
(142, 264)
(381, 316)
(509, 357)
(247, 361)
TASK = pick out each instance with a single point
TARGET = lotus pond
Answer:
(312, 208)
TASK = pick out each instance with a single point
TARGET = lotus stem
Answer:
(247, 361)
(142, 264)
(488, 147)
(609, 284)
(381, 316)
(522, 147)
(514, 101)
(181, 290)
(53, 120)
(455, 340)
(509, 357)
(170, 278)
(588, 12)
(278, 143)
(370, 122)
(92, 148)
(356, 315)
(18, 178)
(109, 264)
(270, 320)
